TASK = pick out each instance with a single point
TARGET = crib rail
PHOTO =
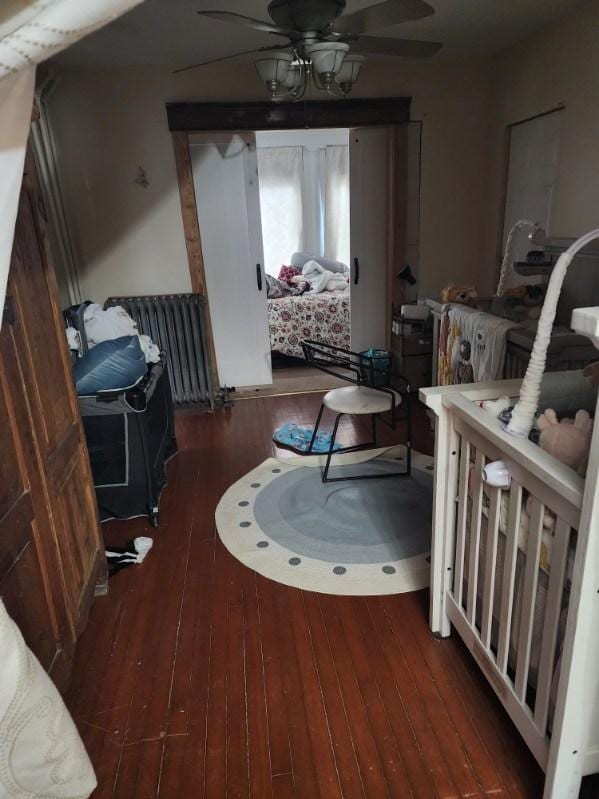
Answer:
(507, 558)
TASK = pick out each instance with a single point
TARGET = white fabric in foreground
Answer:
(31, 32)
(16, 98)
(41, 753)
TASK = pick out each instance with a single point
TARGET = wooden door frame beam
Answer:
(376, 111)
(193, 237)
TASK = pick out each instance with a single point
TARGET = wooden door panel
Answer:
(30, 577)
(51, 551)
(27, 606)
(49, 371)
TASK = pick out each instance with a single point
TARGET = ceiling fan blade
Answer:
(234, 55)
(249, 22)
(382, 15)
(408, 48)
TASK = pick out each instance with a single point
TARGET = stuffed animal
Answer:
(568, 440)
(462, 295)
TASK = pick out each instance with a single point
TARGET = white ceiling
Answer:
(169, 32)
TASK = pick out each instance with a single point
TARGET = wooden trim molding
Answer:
(286, 116)
(193, 238)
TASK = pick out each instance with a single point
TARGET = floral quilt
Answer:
(321, 317)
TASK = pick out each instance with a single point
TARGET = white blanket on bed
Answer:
(41, 754)
(320, 279)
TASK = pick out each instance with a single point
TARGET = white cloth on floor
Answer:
(320, 279)
(114, 322)
(41, 753)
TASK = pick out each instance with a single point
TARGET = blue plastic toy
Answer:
(298, 438)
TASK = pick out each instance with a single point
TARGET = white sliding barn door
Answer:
(225, 174)
(369, 235)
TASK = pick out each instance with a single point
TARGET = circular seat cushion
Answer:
(359, 399)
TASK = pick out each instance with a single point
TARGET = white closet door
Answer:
(225, 173)
(369, 205)
(532, 176)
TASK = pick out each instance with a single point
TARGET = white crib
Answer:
(534, 631)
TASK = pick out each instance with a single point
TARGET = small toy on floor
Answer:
(119, 558)
(298, 439)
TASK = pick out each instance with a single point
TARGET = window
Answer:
(304, 195)
(280, 174)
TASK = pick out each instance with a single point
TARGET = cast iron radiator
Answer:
(177, 324)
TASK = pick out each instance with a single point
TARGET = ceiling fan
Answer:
(319, 39)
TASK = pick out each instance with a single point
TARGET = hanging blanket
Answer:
(472, 346)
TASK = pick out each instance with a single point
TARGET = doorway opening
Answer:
(303, 180)
(302, 234)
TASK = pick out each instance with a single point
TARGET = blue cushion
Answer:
(112, 365)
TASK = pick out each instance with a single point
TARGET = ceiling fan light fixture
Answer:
(327, 59)
(294, 76)
(273, 68)
(350, 69)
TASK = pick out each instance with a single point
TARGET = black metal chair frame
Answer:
(338, 362)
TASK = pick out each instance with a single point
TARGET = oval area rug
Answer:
(360, 537)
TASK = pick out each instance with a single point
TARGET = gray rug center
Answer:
(360, 521)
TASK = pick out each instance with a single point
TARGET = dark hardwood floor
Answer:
(196, 677)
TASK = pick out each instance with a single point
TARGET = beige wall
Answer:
(130, 239)
(558, 66)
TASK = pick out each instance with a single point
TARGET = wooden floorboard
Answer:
(196, 677)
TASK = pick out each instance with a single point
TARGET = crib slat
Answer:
(529, 595)
(509, 576)
(490, 566)
(474, 547)
(460, 545)
(557, 573)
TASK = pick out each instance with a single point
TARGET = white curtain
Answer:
(30, 32)
(336, 205)
(280, 178)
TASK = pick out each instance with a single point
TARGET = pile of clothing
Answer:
(313, 274)
(110, 352)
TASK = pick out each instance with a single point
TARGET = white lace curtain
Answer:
(280, 172)
(32, 31)
(304, 203)
(336, 204)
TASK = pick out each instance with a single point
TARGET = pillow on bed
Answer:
(275, 289)
(287, 272)
(298, 259)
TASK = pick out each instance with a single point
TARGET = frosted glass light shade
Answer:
(350, 69)
(294, 76)
(273, 67)
(327, 57)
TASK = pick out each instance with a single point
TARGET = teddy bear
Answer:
(568, 440)
(462, 295)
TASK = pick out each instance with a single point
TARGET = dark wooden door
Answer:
(51, 552)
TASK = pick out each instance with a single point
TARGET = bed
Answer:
(321, 317)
